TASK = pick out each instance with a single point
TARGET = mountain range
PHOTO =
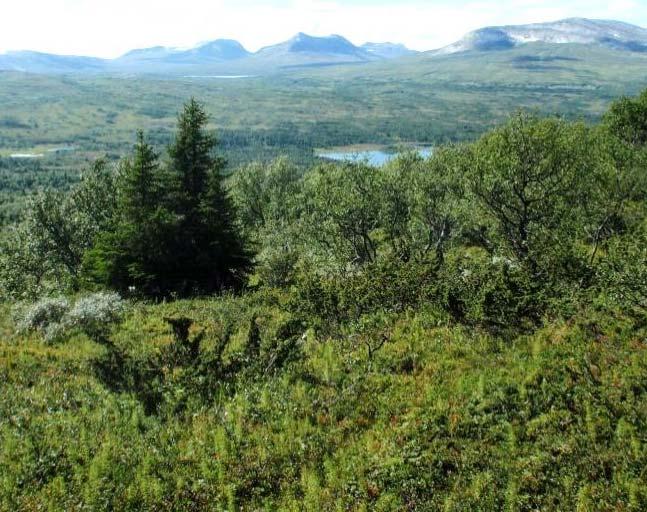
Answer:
(611, 34)
(224, 56)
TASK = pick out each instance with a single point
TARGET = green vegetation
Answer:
(464, 332)
(420, 99)
(173, 232)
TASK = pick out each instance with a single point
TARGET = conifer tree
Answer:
(131, 255)
(176, 233)
(140, 185)
(210, 254)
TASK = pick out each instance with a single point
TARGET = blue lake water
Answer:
(375, 157)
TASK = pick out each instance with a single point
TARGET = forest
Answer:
(460, 332)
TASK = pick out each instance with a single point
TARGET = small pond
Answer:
(374, 157)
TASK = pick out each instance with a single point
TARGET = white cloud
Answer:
(97, 27)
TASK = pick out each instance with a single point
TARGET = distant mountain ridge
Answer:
(304, 43)
(159, 57)
(612, 34)
(227, 56)
(388, 50)
(38, 62)
(219, 55)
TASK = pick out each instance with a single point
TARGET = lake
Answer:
(52, 151)
(26, 155)
(374, 157)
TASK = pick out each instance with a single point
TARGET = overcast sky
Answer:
(108, 28)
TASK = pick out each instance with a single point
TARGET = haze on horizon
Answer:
(109, 29)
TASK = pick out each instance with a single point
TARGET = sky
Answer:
(109, 28)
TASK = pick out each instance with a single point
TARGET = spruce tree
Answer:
(140, 184)
(132, 255)
(209, 253)
(176, 233)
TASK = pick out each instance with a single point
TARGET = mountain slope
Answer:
(388, 50)
(37, 62)
(304, 50)
(161, 59)
(607, 33)
(229, 57)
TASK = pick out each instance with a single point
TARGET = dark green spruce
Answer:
(175, 232)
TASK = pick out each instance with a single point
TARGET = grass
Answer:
(443, 418)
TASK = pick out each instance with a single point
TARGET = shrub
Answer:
(54, 317)
(276, 267)
(623, 274)
(94, 313)
(45, 317)
(493, 292)
(329, 301)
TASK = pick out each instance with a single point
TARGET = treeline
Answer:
(528, 220)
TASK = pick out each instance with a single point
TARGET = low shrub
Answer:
(44, 317)
(623, 274)
(326, 302)
(54, 317)
(494, 292)
(93, 314)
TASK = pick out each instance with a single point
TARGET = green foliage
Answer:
(266, 195)
(175, 233)
(343, 208)
(526, 177)
(624, 271)
(331, 300)
(465, 332)
(419, 203)
(47, 249)
(439, 417)
(24, 274)
(130, 256)
(207, 252)
(627, 119)
(269, 203)
(495, 292)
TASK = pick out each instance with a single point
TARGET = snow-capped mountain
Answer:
(612, 34)
(226, 56)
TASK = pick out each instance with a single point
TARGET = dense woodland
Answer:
(463, 332)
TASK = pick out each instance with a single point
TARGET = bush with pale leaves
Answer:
(54, 317)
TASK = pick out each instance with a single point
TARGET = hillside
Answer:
(604, 33)
(461, 331)
(442, 418)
